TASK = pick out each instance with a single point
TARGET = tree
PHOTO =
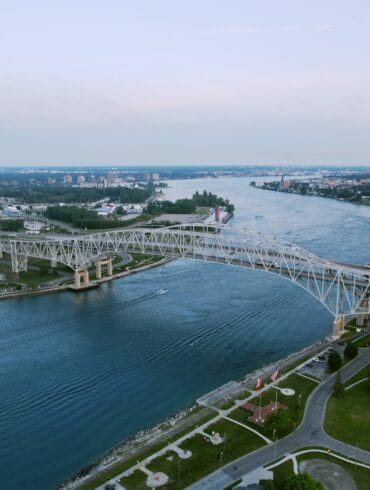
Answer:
(334, 361)
(120, 211)
(303, 481)
(281, 421)
(338, 389)
(351, 351)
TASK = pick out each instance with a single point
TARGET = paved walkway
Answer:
(310, 433)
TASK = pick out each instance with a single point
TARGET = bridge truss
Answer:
(343, 289)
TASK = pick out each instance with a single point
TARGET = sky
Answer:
(88, 82)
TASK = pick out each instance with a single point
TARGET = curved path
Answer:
(310, 433)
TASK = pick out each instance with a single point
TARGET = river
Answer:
(81, 372)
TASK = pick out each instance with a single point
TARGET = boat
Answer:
(162, 291)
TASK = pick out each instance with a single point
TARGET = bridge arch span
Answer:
(342, 288)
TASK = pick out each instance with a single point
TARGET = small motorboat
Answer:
(162, 291)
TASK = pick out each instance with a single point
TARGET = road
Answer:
(310, 433)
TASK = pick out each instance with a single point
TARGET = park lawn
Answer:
(359, 474)
(296, 403)
(34, 278)
(206, 457)
(281, 472)
(136, 481)
(364, 342)
(348, 418)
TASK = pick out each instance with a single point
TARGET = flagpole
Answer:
(276, 398)
(260, 406)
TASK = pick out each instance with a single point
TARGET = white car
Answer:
(316, 359)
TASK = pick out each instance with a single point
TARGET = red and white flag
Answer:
(259, 383)
(274, 375)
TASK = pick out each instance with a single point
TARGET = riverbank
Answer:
(148, 441)
(95, 283)
(275, 187)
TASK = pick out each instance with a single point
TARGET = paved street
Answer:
(310, 433)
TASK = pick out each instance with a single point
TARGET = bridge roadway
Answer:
(310, 433)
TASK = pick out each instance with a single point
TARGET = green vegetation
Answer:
(360, 475)
(135, 481)
(352, 192)
(83, 218)
(11, 225)
(188, 206)
(280, 421)
(139, 260)
(334, 361)
(281, 473)
(364, 341)
(348, 417)
(351, 351)
(205, 456)
(295, 404)
(31, 193)
(303, 481)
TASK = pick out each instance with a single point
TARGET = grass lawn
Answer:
(296, 403)
(348, 418)
(135, 481)
(359, 474)
(364, 342)
(34, 278)
(206, 457)
(282, 472)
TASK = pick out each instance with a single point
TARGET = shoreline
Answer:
(95, 283)
(358, 203)
(174, 424)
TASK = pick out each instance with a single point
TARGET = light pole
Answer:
(275, 445)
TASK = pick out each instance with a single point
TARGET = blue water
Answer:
(79, 373)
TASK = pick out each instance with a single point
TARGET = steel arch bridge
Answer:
(343, 289)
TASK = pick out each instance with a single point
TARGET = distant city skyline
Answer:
(184, 83)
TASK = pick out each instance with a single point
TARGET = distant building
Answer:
(12, 212)
(67, 179)
(102, 183)
(80, 180)
(155, 176)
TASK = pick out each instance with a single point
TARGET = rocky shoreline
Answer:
(144, 439)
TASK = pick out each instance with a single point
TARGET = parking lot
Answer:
(318, 367)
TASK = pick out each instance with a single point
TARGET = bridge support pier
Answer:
(19, 263)
(84, 275)
(108, 263)
(360, 321)
(338, 326)
(53, 263)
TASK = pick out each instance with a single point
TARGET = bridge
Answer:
(343, 289)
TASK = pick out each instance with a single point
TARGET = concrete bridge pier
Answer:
(53, 263)
(360, 320)
(338, 326)
(100, 263)
(81, 275)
